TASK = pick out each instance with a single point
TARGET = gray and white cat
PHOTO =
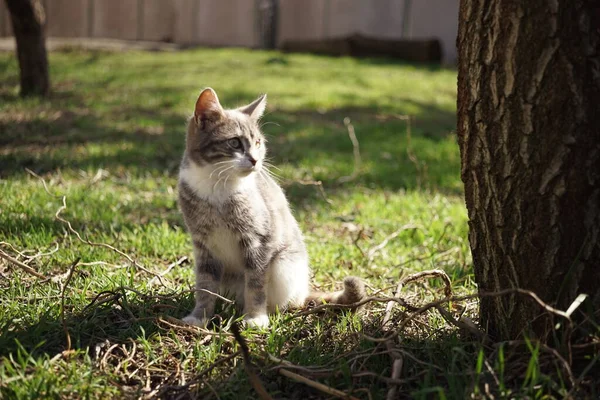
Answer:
(246, 240)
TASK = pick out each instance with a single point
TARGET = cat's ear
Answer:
(208, 107)
(255, 109)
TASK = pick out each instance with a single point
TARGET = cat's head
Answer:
(226, 138)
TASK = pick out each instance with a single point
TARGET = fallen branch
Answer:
(318, 185)
(248, 367)
(180, 325)
(433, 304)
(395, 355)
(62, 303)
(396, 371)
(316, 385)
(168, 269)
(464, 324)
(86, 241)
(432, 273)
(373, 250)
(28, 257)
(21, 265)
(308, 382)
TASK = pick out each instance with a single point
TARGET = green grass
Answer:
(110, 139)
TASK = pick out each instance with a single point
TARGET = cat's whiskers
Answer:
(268, 166)
(225, 183)
(219, 169)
(267, 123)
(271, 174)
(226, 169)
(215, 185)
(268, 163)
(224, 162)
(220, 178)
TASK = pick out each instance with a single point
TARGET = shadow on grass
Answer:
(315, 145)
(437, 362)
(116, 315)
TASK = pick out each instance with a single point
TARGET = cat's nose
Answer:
(252, 160)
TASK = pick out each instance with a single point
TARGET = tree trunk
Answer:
(28, 19)
(529, 137)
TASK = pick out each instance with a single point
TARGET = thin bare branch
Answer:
(318, 185)
(373, 250)
(316, 385)
(62, 302)
(355, 150)
(21, 265)
(168, 269)
(396, 371)
(433, 304)
(86, 241)
(248, 367)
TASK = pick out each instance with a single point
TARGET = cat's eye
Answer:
(257, 143)
(235, 143)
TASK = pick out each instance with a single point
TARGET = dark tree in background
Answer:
(28, 18)
(267, 23)
(529, 136)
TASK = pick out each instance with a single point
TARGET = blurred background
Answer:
(253, 24)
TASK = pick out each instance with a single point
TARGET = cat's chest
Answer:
(224, 245)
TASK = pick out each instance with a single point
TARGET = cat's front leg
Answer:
(209, 272)
(255, 293)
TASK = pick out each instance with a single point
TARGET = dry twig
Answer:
(248, 367)
(168, 269)
(318, 185)
(396, 356)
(21, 265)
(505, 292)
(62, 303)
(373, 250)
(182, 326)
(308, 382)
(355, 150)
(86, 241)
(316, 385)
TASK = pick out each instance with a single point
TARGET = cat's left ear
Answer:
(255, 109)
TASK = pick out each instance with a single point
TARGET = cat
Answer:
(246, 241)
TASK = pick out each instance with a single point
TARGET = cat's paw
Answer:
(258, 321)
(192, 320)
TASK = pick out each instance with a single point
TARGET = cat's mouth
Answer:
(247, 170)
(246, 167)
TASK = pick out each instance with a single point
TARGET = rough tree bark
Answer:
(28, 18)
(529, 137)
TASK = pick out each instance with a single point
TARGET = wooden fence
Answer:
(237, 22)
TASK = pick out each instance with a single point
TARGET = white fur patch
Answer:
(288, 283)
(259, 321)
(216, 183)
(225, 246)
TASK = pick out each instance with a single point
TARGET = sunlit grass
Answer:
(110, 140)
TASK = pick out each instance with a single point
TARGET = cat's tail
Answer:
(353, 292)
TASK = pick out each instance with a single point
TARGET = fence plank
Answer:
(436, 18)
(158, 20)
(5, 24)
(115, 19)
(344, 17)
(226, 23)
(67, 18)
(385, 20)
(301, 20)
(185, 20)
